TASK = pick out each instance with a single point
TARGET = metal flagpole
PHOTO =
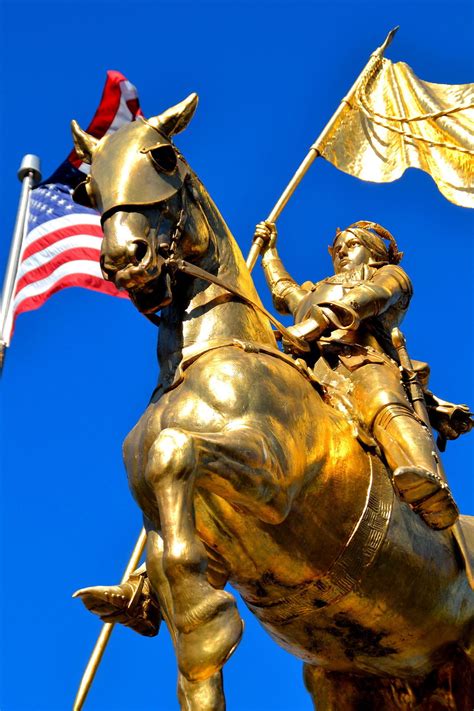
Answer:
(313, 152)
(29, 174)
(107, 628)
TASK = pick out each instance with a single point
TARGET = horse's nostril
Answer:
(106, 271)
(140, 251)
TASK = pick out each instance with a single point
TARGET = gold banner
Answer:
(396, 121)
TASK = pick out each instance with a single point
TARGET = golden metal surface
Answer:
(389, 121)
(416, 397)
(396, 121)
(273, 475)
(356, 315)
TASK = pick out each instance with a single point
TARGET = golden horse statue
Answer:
(246, 475)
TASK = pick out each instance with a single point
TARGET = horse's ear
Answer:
(84, 143)
(175, 119)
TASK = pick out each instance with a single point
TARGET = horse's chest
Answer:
(178, 408)
(140, 439)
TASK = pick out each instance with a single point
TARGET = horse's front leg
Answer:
(207, 624)
(206, 695)
(244, 463)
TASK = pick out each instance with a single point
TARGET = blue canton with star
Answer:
(53, 197)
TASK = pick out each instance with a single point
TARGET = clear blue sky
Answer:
(81, 369)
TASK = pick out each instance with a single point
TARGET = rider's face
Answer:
(349, 253)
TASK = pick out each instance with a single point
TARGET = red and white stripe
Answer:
(60, 253)
(63, 252)
(118, 105)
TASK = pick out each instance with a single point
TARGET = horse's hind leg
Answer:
(449, 687)
(334, 691)
(208, 626)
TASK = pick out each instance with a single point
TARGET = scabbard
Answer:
(415, 390)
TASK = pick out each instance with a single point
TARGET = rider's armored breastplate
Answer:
(333, 288)
(374, 331)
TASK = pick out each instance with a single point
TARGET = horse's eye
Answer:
(164, 158)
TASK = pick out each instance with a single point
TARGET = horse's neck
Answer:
(206, 312)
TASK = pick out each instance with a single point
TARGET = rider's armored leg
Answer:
(131, 603)
(407, 443)
(418, 476)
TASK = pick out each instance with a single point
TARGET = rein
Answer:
(180, 265)
(174, 265)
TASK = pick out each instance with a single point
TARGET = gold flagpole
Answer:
(313, 152)
(107, 628)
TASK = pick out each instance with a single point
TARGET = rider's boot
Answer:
(418, 476)
(132, 603)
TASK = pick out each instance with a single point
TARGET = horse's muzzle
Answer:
(135, 267)
(147, 283)
(132, 261)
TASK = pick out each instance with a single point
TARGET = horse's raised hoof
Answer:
(207, 695)
(210, 636)
(428, 495)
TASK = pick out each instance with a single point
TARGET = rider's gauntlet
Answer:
(311, 328)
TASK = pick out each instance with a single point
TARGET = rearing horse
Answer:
(244, 473)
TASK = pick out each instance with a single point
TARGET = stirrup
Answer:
(428, 495)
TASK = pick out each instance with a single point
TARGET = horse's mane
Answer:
(218, 226)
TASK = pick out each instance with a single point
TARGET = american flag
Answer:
(62, 243)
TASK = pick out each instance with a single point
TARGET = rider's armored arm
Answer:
(313, 325)
(389, 285)
(286, 293)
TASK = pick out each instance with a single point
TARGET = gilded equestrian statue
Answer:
(246, 474)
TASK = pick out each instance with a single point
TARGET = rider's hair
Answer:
(372, 236)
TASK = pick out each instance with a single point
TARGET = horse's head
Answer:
(139, 183)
